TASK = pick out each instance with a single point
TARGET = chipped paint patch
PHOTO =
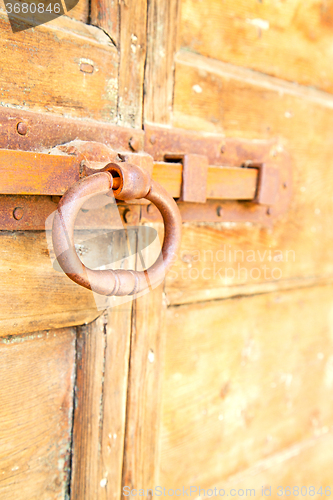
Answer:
(259, 23)
(329, 373)
(151, 356)
(103, 482)
(197, 89)
(111, 90)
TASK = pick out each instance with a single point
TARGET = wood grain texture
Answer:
(37, 294)
(291, 40)
(245, 379)
(132, 50)
(80, 12)
(99, 417)
(248, 105)
(87, 414)
(306, 464)
(36, 393)
(105, 15)
(45, 69)
(163, 23)
(141, 452)
(34, 294)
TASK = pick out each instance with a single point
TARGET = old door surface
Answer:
(222, 376)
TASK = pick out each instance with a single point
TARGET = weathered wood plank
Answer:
(73, 70)
(141, 452)
(132, 47)
(99, 417)
(291, 40)
(307, 464)
(118, 338)
(244, 379)
(163, 19)
(36, 393)
(80, 12)
(218, 260)
(34, 294)
(88, 418)
(37, 294)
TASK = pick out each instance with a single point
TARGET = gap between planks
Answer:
(237, 292)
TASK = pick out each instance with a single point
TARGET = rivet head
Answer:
(131, 217)
(18, 213)
(134, 144)
(152, 139)
(22, 128)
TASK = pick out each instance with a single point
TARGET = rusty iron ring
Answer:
(129, 182)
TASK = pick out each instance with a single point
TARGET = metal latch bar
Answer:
(27, 173)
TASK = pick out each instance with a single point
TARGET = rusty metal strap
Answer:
(27, 173)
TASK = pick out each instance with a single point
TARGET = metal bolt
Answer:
(22, 128)
(151, 209)
(219, 211)
(18, 213)
(152, 139)
(130, 216)
(134, 143)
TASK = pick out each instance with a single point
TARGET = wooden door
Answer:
(64, 362)
(222, 377)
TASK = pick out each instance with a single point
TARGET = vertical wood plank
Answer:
(80, 12)
(141, 453)
(105, 15)
(118, 331)
(245, 379)
(36, 395)
(161, 46)
(133, 23)
(99, 416)
(87, 412)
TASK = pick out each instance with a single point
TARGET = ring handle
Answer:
(129, 182)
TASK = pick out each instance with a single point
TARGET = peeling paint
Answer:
(197, 89)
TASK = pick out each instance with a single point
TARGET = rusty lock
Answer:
(128, 182)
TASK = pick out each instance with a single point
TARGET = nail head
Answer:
(22, 128)
(18, 213)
